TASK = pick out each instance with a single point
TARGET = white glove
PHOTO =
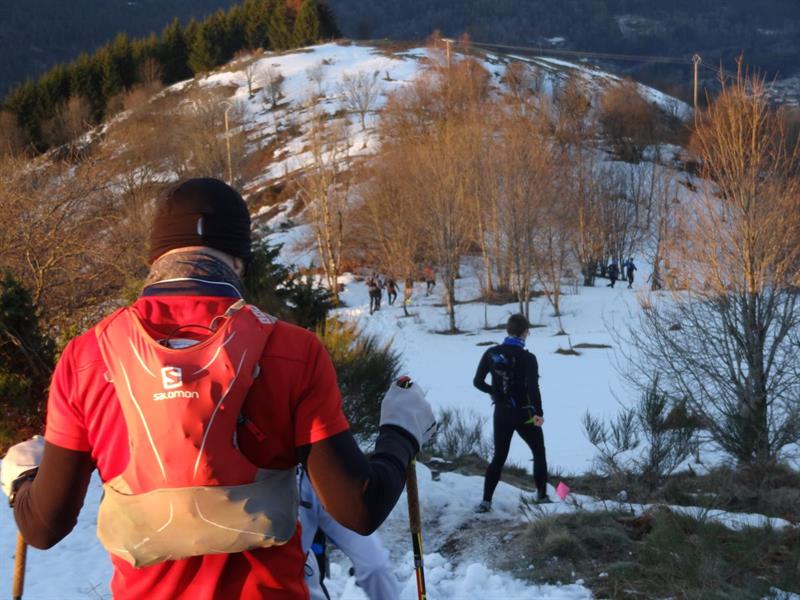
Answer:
(20, 458)
(408, 409)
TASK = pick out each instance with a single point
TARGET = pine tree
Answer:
(112, 80)
(54, 89)
(87, 81)
(144, 49)
(26, 354)
(217, 39)
(282, 292)
(280, 30)
(121, 51)
(307, 25)
(190, 32)
(327, 21)
(234, 26)
(256, 25)
(23, 102)
(203, 55)
(173, 53)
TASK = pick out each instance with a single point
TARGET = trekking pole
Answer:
(415, 524)
(414, 518)
(19, 567)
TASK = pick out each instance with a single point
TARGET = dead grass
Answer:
(568, 352)
(773, 491)
(587, 346)
(657, 555)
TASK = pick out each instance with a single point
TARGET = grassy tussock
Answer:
(659, 555)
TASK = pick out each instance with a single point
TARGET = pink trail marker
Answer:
(562, 491)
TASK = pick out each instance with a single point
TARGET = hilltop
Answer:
(255, 121)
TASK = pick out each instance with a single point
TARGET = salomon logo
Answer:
(171, 378)
(159, 396)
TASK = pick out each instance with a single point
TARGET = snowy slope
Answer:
(571, 385)
(444, 365)
(78, 568)
(335, 62)
(266, 126)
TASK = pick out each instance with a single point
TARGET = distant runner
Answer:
(408, 292)
(517, 406)
(391, 290)
(629, 270)
(430, 280)
(613, 273)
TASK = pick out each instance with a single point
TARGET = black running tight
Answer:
(507, 420)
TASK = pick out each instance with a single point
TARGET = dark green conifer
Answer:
(307, 25)
(173, 53)
(279, 30)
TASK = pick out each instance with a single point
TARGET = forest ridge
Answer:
(35, 34)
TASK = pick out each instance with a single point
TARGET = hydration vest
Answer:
(504, 382)
(187, 490)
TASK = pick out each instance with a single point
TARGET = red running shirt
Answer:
(295, 401)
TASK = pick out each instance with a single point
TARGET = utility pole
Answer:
(449, 49)
(696, 59)
(229, 106)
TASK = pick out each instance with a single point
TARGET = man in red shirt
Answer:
(200, 245)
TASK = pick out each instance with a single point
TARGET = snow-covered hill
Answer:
(464, 552)
(443, 365)
(312, 82)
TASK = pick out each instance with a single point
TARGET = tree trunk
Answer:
(450, 295)
(589, 270)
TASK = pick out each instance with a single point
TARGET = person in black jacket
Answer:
(613, 273)
(629, 269)
(517, 406)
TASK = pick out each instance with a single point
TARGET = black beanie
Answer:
(201, 212)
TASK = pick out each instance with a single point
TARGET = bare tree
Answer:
(134, 159)
(12, 140)
(728, 345)
(523, 180)
(70, 122)
(438, 171)
(586, 188)
(630, 121)
(667, 443)
(553, 240)
(316, 75)
(53, 235)
(436, 124)
(391, 225)
(325, 191)
(250, 74)
(272, 87)
(206, 141)
(361, 92)
(587, 183)
(619, 211)
(662, 223)
(150, 74)
(524, 86)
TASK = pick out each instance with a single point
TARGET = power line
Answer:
(578, 53)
